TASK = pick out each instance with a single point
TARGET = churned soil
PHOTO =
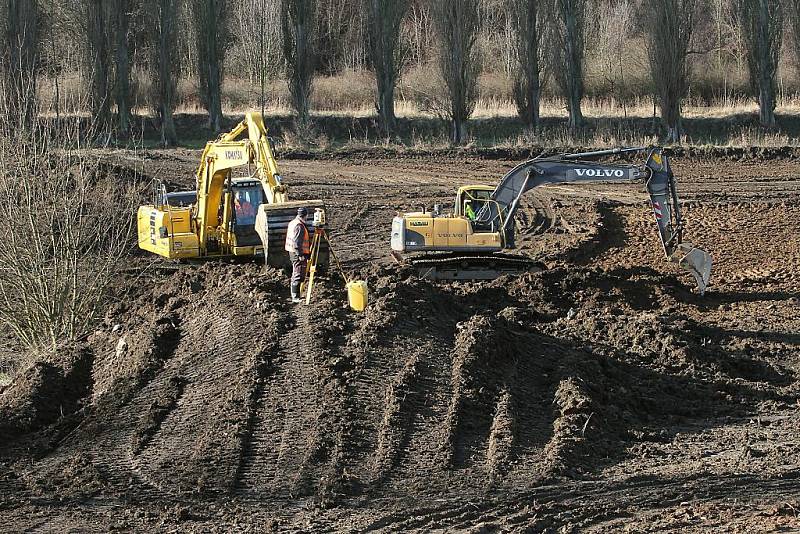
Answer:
(601, 394)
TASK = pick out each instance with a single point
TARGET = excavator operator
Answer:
(469, 211)
(298, 245)
(245, 211)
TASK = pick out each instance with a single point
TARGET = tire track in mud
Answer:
(377, 390)
(274, 457)
(400, 388)
(582, 505)
(108, 458)
(217, 370)
(536, 216)
(424, 406)
(499, 421)
(184, 381)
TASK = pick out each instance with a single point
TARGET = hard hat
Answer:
(302, 211)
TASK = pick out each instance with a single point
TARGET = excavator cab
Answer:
(474, 202)
(247, 195)
(471, 199)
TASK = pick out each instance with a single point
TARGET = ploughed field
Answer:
(600, 394)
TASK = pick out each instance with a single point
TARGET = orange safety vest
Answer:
(289, 246)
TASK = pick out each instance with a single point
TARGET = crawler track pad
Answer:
(473, 267)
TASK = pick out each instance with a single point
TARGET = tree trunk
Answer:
(575, 115)
(214, 94)
(674, 132)
(574, 85)
(768, 64)
(99, 62)
(166, 70)
(302, 83)
(385, 19)
(210, 15)
(527, 86)
(123, 70)
(458, 131)
(570, 75)
(458, 23)
(672, 24)
(534, 97)
(297, 24)
(766, 105)
(23, 52)
(386, 114)
(761, 26)
(670, 104)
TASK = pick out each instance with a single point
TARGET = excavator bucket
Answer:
(695, 261)
(272, 222)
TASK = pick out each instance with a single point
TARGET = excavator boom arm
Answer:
(572, 168)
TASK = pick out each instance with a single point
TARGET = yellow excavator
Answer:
(469, 243)
(227, 215)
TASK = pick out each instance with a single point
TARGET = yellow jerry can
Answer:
(357, 294)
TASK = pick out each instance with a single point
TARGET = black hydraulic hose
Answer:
(598, 153)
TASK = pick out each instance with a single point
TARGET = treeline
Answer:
(542, 45)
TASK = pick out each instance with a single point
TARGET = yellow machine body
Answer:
(167, 232)
(431, 231)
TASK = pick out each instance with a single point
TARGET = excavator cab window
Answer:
(474, 201)
(245, 203)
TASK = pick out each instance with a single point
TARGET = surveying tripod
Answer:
(320, 234)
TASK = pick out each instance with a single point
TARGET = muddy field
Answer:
(603, 394)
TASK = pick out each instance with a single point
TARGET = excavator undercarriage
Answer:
(475, 266)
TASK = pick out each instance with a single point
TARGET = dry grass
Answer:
(351, 95)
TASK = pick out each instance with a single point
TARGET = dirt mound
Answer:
(579, 397)
(318, 402)
(51, 388)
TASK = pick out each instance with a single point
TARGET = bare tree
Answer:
(458, 24)
(340, 35)
(72, 227)
(613, 23)
(417, 31)
(527, 17)
(570, 55)
(761, 27)
(210, 34)
(165, 65)
(99, 59)
(21, 60)
(297, 21)
(385, 19)
(122, 67)
(670, 26)
(793, 14)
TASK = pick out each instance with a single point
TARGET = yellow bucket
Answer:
(357, 294)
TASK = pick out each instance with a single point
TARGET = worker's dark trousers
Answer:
(298, 272)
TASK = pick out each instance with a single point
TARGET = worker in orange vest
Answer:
(298, 245)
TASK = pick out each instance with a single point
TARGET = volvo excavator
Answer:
(469, 243)
(227, 215)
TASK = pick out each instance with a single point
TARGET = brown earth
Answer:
(600, 395)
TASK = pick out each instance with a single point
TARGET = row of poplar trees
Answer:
(549, 36)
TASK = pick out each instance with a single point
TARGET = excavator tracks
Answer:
(473, 266)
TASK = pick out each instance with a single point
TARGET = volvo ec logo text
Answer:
(599, 173)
